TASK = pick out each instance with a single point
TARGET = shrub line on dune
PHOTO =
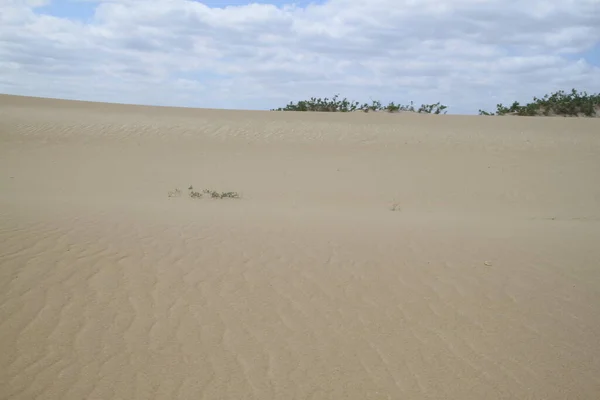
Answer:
(560, 103)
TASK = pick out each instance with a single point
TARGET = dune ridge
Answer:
(370, 256)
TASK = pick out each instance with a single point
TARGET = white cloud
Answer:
(469, 54)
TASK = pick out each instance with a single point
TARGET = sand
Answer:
(370, 256)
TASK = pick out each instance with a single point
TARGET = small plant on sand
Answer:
(212, 193)
(174, 193)
(216, 195)
(561, 103)
(193, 194)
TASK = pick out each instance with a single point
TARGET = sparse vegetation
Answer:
(336, 104)
(561, 103)
(174, 193)
(193, 194)
(213, 194)
(216, 195)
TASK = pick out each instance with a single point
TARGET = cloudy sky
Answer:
(468, 54)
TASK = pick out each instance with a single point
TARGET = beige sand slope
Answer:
(484, 283)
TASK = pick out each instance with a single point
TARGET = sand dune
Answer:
(371, 256)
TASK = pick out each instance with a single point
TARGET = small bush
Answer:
(174, 193)
(436, 108)
(216, 195)
(231, 195)
(212, 193)
(335, 104)
(573, 104)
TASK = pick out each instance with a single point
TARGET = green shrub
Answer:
(559, 103)
(335, 104)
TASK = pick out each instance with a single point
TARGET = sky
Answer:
(467, 54)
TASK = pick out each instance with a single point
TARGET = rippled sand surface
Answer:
(370, 256)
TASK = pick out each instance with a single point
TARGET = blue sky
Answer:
(75, 10)
(84, 10)
(233, 54)
(592, 55)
